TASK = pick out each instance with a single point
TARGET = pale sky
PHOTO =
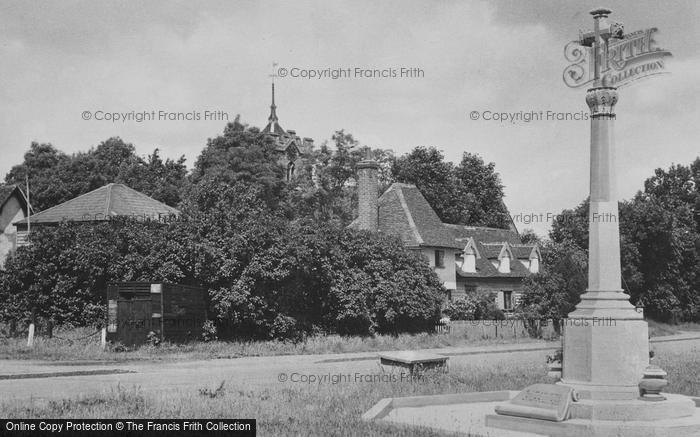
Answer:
(60, 59)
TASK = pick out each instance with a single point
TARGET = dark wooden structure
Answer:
(167, 312)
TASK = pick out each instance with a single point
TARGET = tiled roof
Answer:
(284, 140)
(524, 251)
(490, 242)
(283, 143)
(485, 269)
(109, 201)
(490, 250)
(403, 211)
(6, 191)
(485, 235)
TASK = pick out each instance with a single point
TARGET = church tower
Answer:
(289, 146)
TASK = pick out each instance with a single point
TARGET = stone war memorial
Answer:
(607, 386)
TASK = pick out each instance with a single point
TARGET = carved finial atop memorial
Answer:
(599, 38)
(602, 101)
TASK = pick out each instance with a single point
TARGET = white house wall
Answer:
(11, 212)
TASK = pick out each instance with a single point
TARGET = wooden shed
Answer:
(170, 312)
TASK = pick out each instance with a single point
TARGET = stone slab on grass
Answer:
(414, 361)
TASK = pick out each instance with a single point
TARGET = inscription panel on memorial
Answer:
(540, 401)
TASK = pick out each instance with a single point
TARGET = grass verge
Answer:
(88, 349)
(58, 349)
(318, 409)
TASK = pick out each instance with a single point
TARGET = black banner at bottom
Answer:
(127, 427)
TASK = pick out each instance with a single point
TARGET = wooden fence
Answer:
(508, 328)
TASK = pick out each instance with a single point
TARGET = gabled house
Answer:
(102, 204)
(465, 258)
(403, 211)
(494, 260)
(13, 207)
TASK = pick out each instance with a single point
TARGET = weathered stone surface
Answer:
(605, 360)
(540, 401)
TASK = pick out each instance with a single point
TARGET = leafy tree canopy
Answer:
(659, 239)
(56, 177)
(470, 193)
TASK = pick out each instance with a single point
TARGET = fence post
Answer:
(30, 337)
(103, 338)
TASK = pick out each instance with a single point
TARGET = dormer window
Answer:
(469, 257)
(532, 263)
(504, 264)
(469, 264)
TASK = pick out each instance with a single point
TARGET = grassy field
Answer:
(58, 349)
(63, 346)
(658, 329)
(322, 410)
(319, 409)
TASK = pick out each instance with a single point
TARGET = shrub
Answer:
(209, 331)
(480, 305)
(331, 279)
(460, 309)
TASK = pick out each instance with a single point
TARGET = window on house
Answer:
(21, 238)
(507, 300)
(504, 265)
(439, 258)
(469, 289)
(534, 265)
(469, 263)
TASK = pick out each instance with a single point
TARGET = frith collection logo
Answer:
(633, 57)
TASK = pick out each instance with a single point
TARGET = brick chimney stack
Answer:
(368, 193)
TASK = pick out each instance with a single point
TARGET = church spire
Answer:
(273, 126)
(273, 108)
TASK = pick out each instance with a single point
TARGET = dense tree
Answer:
(327, 190)
(480, 193)
(44, 165)
(528, 236)
(242, 155)
(55, 177)
(572, 225)
(659, 242)
(162, 180)
(469, 193)
(666, 266)
(267, 277)
(61, 276)
(554, 291)
(272, 277)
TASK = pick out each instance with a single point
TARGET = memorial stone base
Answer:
(605, 358)
(677, 416)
